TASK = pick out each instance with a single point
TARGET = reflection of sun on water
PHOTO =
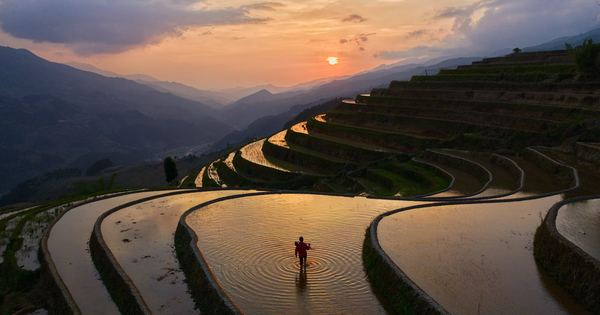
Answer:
(332, 60)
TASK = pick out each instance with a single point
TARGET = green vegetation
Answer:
(26, 189)
(587, 57)
(101, 185)
(98, 166)
(170, 169)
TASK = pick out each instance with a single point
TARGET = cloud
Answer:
(112, 26)
(267, 6)
(358, 39)
(354, 18)
(505, 24)
(418, 33)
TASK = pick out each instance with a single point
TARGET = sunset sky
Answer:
(220, 44)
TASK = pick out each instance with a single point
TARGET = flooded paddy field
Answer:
(141, 239)
(32, 233)
(68, 246)
(464, 183)
(579, 222)
(214, 175)
(198, 180)
(502, 183)
(253, 153)
(249, 245)
(477, 258)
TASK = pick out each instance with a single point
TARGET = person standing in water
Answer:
(301, 249)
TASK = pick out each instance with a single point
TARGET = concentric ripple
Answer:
(249, 245)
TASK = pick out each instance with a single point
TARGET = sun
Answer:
(332, 60)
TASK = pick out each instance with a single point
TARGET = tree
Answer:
(170, 169)
(586, 57)
(517, 50)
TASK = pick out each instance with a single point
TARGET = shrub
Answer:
(586, 57)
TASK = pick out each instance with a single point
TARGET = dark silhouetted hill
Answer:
(53, 115)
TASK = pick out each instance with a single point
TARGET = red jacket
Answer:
(301, 249)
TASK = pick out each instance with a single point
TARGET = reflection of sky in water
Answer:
(148, 257)
(249, 245)
(476, 258)
(68, 245)
(579, 222)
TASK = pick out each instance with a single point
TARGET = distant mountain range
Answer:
(54, 116)
(215, 99)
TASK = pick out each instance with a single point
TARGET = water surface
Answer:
(249, 245)
(68, 246)
(476, 259)
(141, 238)
(579, 222)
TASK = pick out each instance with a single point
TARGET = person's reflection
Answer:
(301, 281)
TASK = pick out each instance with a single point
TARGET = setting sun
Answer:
(332, 60)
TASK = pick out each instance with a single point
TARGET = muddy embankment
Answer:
(391, 283)
(574, 269)
(210, 298)
(303, 159)
(121, 288)
(465, 165)
(563, 173)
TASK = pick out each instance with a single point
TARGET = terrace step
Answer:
(504, 180)
(235, 177)
(302, 128)
(299, 135)
(480, 118)
(199, 179)
(513, 78)
(589, 152)
(552, 98)
(562, 88)
(443, 129)
(546, 112)
(278, 147)
(253, 160)
(398, 141)
(589, 173)
(471, 168)
(527, 58)
(406, 180)
(211, 177)
(537, 181)
(560, 69)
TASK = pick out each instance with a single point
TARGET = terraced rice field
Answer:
(466, 247)
(470, 258)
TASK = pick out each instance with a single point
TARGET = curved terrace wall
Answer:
(401, 293)
(462, 164)
(404, 296)
(588, 152)
(574, 269)
(337, 149)
(62, 301)
(562, 172)
(301, 158)
(206, 291)
(121, 288)
(390, 140)
(262, 171)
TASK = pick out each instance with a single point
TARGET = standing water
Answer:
(141, 239)
(476, 258)
(249, 245)
(579, 222)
